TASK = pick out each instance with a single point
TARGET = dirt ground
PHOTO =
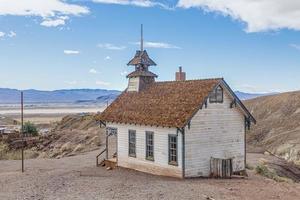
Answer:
(61, 179)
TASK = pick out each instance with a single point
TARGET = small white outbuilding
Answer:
(182, 128)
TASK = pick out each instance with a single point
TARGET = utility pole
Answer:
(22, 130)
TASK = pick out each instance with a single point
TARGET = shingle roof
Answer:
(141, 73)
(141, 57)
(167, 104)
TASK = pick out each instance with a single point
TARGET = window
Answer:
(149, 146)
(173, 150)
(216, 96)
(131, 143)
(111, 131)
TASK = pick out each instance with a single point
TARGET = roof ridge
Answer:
(190, 80)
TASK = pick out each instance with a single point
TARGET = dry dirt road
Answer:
(60, 179)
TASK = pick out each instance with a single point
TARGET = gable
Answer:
(235, 102)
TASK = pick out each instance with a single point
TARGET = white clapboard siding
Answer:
(216, 131)
(160, 165)
(133, 84)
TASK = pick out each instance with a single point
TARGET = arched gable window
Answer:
(216, 96)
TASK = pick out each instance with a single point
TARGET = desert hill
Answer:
(278, 124)
(4, 121)
(73, 135)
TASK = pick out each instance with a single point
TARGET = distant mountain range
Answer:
(246, 96)
(58, 96)
(77, 96)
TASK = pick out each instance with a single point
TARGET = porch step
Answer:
(110, 163)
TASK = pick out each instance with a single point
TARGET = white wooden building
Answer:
(175, 128)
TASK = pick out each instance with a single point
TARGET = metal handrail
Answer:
(97, 157)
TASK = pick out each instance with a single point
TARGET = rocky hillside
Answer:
(278, 124)
(73, 135)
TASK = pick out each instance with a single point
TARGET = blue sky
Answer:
(54, 44)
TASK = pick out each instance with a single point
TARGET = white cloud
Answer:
(296, 46)
(258, 15)
(107, 58)
(138, 3)
(49, 10)
(60, 21)
(102, 83)
(158, 45)
(12, 34)
(93, 71)
(111, 46)
(71, 52)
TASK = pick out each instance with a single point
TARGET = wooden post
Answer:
(106, 147)
(22, 131)
(106, 144)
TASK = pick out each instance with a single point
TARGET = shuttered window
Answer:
(132, 143)
(216, 96)
(149, 146)
(173, 150)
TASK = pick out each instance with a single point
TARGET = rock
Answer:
(95, 140)
(54, 152)
(79, 147)
(34, 149)
(66, 147)
(43, 155)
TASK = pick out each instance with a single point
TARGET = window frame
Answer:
(171, 161)
(131, 154)
(213, 96)
(147, 156)
(111, 131)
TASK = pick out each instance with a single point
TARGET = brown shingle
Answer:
(141, 57)
(167, 104)
(141, 73)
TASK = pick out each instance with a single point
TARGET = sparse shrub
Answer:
(266, 172)
(6, 154)
(30, 128)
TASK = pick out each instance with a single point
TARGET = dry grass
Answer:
(8, 154)
(270, 173)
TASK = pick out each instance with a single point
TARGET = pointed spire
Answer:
(142, 38)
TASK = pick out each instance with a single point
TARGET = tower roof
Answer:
(141, 73)
(141, 58)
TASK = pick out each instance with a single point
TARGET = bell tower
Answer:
(141, 76)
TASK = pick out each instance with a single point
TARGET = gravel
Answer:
(77, 178)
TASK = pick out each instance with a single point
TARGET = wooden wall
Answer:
(160, 165)
(216, 131)
(133, 84)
